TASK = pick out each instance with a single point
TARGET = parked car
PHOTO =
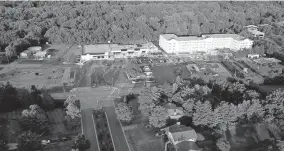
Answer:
(65, 138)
(45, 142)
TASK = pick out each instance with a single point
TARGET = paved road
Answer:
(116, 130)
(88, 129)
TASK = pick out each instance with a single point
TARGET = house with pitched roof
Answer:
(182, 137)
(174, 112)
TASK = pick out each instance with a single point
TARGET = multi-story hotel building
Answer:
(171, 43)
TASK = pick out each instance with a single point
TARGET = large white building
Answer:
(171, 43)
(110, 51)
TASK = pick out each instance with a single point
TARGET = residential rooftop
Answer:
(204, 36)
(256, 32)
(187, 146)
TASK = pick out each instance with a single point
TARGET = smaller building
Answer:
(35, 49)
(182, 137)
(257, 34)
(40, 55)
(95, 52)
(174, 112)
(12, 146)
(254, 31)
(110, 51)
(25, 54)
(187, 146)
(178, 133)
(253, 56)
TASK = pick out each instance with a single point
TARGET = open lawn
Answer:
(270, 88)
(61, 146)
(9, 130)
(70, 55)
(62, 49)
(56, 117)
(164, 74)
(12, 115)
(143, 139)
(32, 62)
(111, 75)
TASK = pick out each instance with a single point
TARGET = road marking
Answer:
(110, 131)
(122, 130)
(95, 131)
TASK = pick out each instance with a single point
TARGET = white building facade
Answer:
(171, 43)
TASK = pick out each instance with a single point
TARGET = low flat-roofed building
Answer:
(109, 51)
(95, 52)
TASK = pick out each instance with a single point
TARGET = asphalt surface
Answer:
(119, 140)
(89, 129)
(89, 100)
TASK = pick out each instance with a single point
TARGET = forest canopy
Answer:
(30, 23)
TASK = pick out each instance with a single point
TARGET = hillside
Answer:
(31, 23)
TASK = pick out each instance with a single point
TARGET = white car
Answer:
(45, 142)
(146, 68)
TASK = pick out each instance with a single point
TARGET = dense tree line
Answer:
(12, 98)
(219, 103)
(30, 23)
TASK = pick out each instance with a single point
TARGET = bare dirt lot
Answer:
(46, 76)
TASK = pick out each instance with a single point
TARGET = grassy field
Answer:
(12, 115)
(270, 88)
(70, 55)
(139, 137)
(61, 146)
(58, 129)
(143, 139)
(164, 74)
(32, 62)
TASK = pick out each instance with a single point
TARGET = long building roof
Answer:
(102, 48)
(204, 36)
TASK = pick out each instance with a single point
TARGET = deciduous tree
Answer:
(223, 144)
(47, 101)
(124, 112)
(158, 117)
(29, 141)
(81, 142)
(35, 119)
(203, 114)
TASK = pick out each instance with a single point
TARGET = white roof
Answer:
(256, 32)
(102, 48)
(12, 146)
(205, 36)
